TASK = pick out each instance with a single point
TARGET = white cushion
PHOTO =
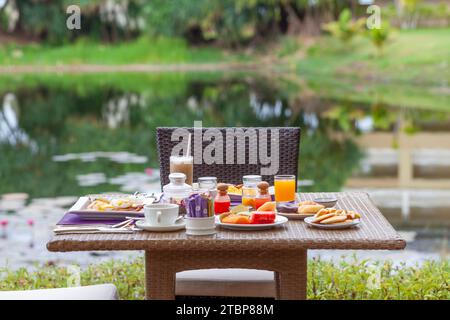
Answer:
(226, 283)
(95, 292)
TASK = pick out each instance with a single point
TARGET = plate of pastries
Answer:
(332, 218)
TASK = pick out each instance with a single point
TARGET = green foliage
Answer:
(345, 29)
(231, 22)
(379, 36)
(326, 279)
(349, 280)
(288, 47)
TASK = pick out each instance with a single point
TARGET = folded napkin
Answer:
(70, 219)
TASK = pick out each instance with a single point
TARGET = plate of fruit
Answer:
(245, 220)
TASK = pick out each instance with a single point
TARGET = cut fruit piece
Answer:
(236, 219)
(266, 217)
(239, 208)
(268, 206)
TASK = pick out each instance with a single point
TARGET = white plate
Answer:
(342, 225)
(295, 216)
(79, 209)
(279, 220)
(143, 225)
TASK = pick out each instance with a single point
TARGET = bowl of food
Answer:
(300, 210)
(327, 202)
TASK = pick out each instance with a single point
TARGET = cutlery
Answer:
(92, 230)
(123, 224)
(135, 218)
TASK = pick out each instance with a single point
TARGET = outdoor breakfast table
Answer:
(282, 249)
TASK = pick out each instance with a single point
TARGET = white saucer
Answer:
(143, 225)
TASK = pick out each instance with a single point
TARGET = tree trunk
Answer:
(294, 22)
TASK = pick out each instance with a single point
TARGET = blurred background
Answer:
(79, 108)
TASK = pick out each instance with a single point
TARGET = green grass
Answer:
(345, 279)
(415, 56)
(143, 50)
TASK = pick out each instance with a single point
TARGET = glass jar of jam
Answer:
(222, 202)
(208, 185)
(263, 194)
(250, 190)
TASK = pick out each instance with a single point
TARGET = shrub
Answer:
(345, 29)
(379, 37)
(345, 279)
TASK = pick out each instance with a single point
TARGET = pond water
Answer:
(65, 136)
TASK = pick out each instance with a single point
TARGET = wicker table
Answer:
(282, 250)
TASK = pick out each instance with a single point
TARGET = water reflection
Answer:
(102, 138)
(119, 157)
(10, 132)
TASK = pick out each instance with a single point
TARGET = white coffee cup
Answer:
(161, 214)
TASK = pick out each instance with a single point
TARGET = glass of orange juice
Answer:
(284, 188)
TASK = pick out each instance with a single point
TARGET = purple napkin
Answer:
(73, 219)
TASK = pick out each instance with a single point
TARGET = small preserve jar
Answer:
(263, 194)
(250, 190)
(222, 202)
(208, 184)
(177, 190)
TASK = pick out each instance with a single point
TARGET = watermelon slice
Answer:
(265, 217)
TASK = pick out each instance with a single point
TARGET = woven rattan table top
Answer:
(374, 232)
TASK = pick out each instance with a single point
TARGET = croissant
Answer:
(310, 208)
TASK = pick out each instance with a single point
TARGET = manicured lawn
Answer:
(345, 279)
(143, 50)
(414, 56)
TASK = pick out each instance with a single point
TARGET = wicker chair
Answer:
(289, 142)
(229, 282)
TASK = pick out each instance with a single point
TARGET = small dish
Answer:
(200, 226)
(333, 226)
(144, 225)
(326, 202)
(295, 216)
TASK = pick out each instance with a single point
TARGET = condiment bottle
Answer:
(263, 194)
(249, 190)
(222, 202)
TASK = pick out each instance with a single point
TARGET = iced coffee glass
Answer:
(183, 164)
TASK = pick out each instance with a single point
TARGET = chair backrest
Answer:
(289, 145)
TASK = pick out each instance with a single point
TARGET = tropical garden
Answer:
(328, 66)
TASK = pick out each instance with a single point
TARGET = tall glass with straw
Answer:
(184, 164)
